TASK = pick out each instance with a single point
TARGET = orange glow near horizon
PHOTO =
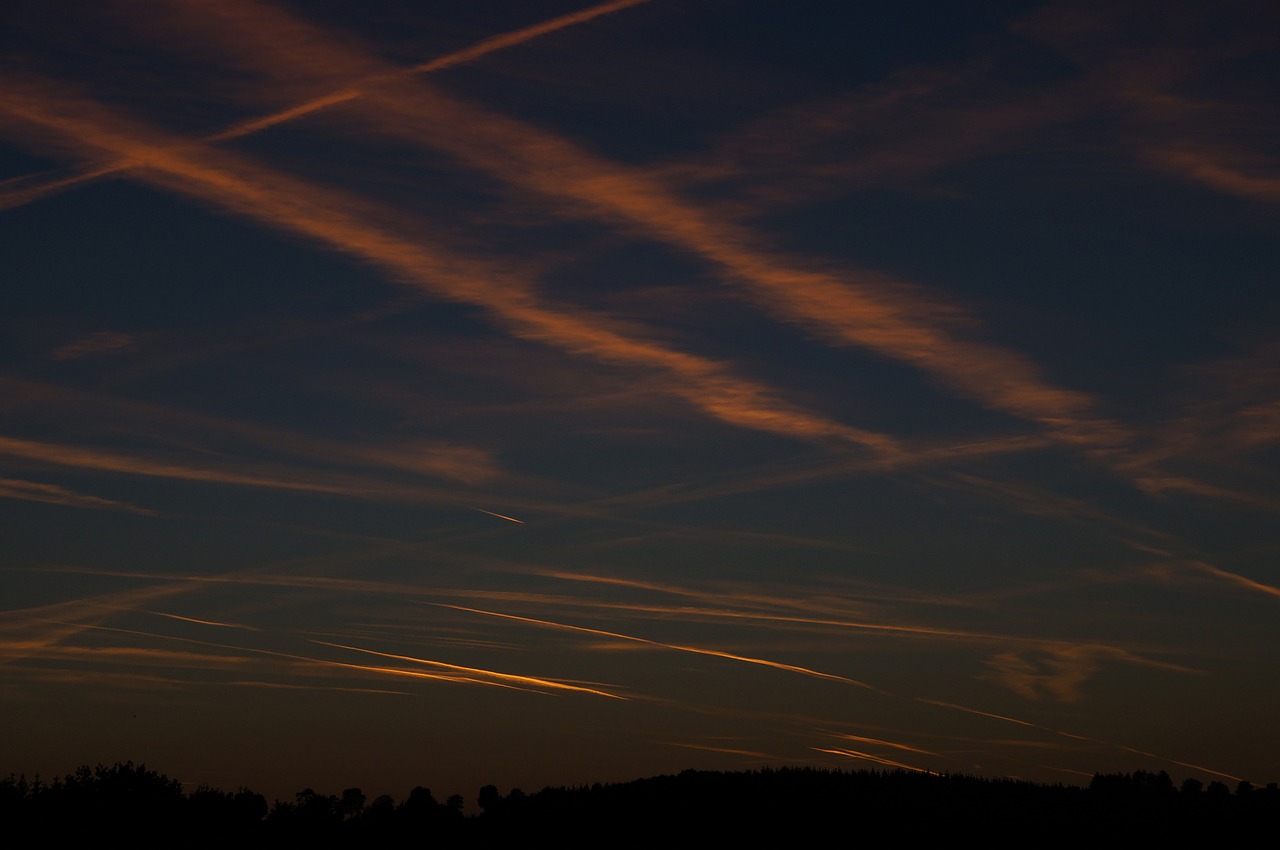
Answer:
(627, 387)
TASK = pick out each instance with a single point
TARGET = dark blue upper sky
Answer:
(548, 393)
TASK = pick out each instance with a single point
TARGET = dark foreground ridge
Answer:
(754, 807)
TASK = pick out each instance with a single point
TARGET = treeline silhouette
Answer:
(755, 807)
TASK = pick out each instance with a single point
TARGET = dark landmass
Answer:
(752, 807)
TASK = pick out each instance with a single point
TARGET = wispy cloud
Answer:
(795, 473)
(23, 190)
(517, 680)
(883, 743)
(98, 343)
(897, 132)
(1221, 417)
(27, 631)
(1219, 170)
(498, 516)
(348, 224)
(791, 668)
(161, 424)
(1061, 672)
(871, 757)
(1235, 578)
(1219, 141)
(612, 469)
(303, 481)
(36, 491)
(289, 667)
(202, 622)
(726, 750)
(1071, 735)
(1070, 663)
(859, 308)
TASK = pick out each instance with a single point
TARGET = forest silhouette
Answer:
(753, 807)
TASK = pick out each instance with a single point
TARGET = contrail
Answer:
(200, 622)
(26, 195)
(791, 668)
(491, 513)
(350, 225)
(518, 680)
(458, 57)
(855, 754)
(1236, 578)
(1073, 736)
(862, 309)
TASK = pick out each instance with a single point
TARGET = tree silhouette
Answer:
(793, 806)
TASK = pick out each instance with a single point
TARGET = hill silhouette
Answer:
(752, 807)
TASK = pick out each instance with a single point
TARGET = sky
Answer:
(548, 393)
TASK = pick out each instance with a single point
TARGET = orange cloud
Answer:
(499, 516)
(131, 655)
(1235, 578)
(350, 225)
(727, 750)
(791, 668)
(1072, 736)
(1061, 671)
(506, 678)
(19, 191)
(296, 663)
(200, 622)
(105, 461)
(883, 743)
(894, 131)
(857, 308)
(1147, 71)
(1220, 170)
(448, 460)
(28, 631)
(102, 342)
(854, 754)
(35, 491)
